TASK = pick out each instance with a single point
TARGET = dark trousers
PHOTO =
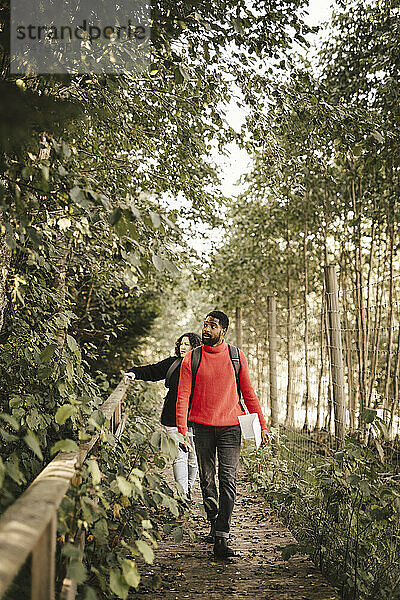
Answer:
(223, 442)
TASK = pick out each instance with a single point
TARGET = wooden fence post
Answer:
(336, 353)
(43, 563)
(70, 586)
(273, 386)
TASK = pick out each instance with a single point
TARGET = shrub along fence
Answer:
(333, 470)
(29, 525)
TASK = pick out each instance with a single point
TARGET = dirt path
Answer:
(189, 570)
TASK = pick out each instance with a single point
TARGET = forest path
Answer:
(189, 570)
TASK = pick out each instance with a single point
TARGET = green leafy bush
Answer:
(343, 509)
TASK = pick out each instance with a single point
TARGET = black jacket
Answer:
(157, 372)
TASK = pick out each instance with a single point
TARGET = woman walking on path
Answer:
(185, 465)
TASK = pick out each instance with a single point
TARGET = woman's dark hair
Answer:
(194, 339)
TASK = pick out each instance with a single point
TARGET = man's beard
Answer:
(210, 341)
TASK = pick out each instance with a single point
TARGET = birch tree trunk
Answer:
(289, 419)
(5, 257)
(306, 426)
(390, 318)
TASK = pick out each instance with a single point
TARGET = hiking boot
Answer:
(210, 537)
(221, 548)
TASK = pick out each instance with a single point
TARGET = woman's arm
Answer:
(153, 372)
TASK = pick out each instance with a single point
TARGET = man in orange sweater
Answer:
(214, 414)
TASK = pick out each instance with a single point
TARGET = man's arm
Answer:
(184, 390)
(248, 393)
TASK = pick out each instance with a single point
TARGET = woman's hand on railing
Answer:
(129, 377)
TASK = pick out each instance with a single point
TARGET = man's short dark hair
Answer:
(221, 316)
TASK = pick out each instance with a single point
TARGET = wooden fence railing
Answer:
(29, 525)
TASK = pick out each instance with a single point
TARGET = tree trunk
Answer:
(376, 333)
(358, 298)
(322, 364)
(336, 354)
(347, 340)
(290, 399)
(238, 326)
(306, 426)
(390, 318)
(273, 387)
(395, 402)
(5, 258)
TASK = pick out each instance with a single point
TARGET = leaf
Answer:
(145, 551)
(118, 584)
(97, 419)
(382, 428)
(365, 487)
(289, 550)
(90, 593)
(13, 471)
(124, 486)
(32, 442)
(66, 445)
(380, 451)
(155, 440)
(93, 469)
(131, 573)
(130, 278)
(45, 173)
(66, 150)
(354, 480)
(64, 412)
(237, 25)
(133, 258)
(8, 437)
(70, 371)
(101, 531)
(169, 447)
(47, 353)
(10, 420)
(2, 472)
(115, 216)
(72, 345)
(155, 219)
(368, 415)
(172, 268)
(157, 262)
(153, 69)
(177, 533)
(78, 197)
(135, 211)
(178, 77)
(77, 571)
(171, 504)
(64, 223)
(378, 136)
(71, 551)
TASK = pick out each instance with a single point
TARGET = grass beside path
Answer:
(188, 569)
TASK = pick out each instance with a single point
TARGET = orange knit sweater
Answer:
(215, 398)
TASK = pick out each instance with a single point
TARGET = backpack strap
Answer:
(197, 353)
(235, 358)
(171, 369)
